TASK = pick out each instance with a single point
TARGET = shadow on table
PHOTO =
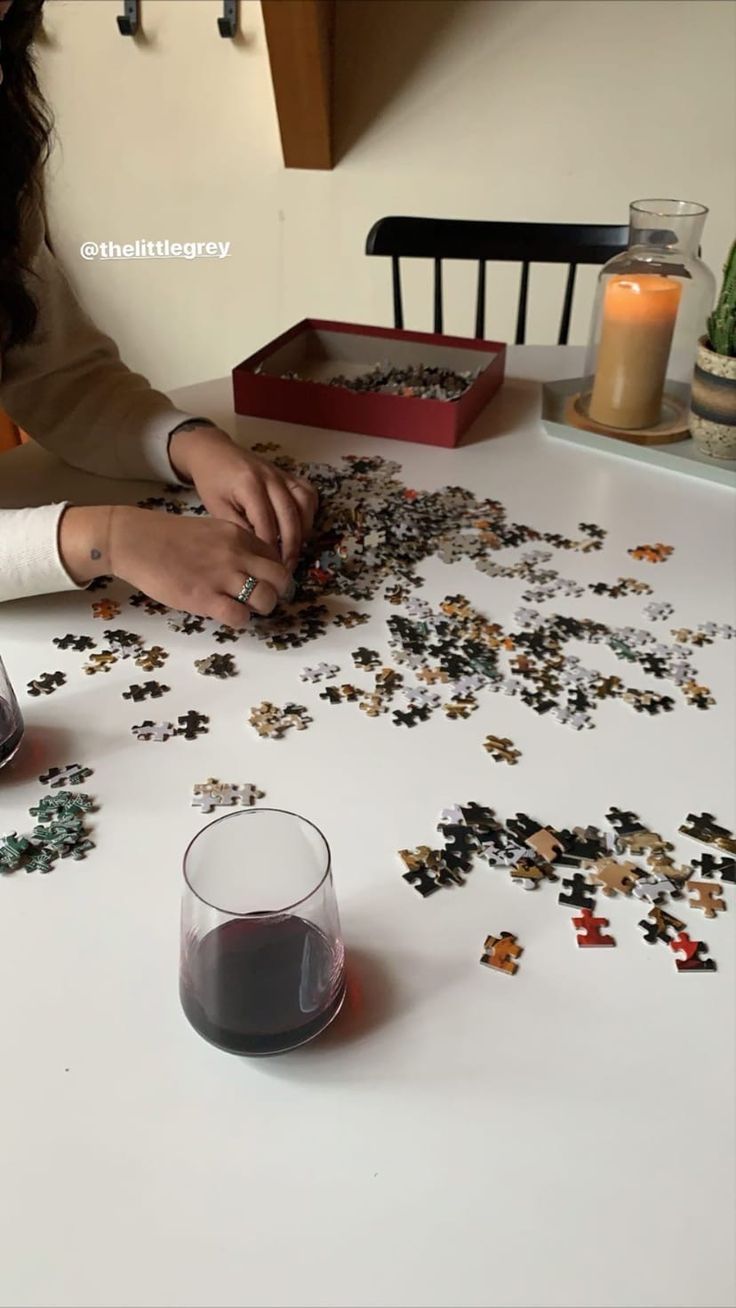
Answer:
(41, 748)
(516, 403)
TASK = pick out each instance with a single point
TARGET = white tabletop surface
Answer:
(563, 1137)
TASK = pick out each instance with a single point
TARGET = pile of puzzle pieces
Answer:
(211, 794)
(632, 860)
(272, 721)
(371, 535)
(60, 830)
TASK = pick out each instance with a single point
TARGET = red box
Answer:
(317, 348)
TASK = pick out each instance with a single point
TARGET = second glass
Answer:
(11, 720)
(262, 959)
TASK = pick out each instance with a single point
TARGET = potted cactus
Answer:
(713, 399)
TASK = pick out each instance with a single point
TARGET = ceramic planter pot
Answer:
(713, 403)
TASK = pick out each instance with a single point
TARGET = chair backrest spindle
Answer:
(398, 305)
(485, 242)
(438, 295)
(480, 302)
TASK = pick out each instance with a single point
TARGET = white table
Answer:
(564, 1137)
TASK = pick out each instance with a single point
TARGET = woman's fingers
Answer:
(306, 499)
(254, 501)
(288, 517)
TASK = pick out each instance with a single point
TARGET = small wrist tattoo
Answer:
(95, 554)
(192, 424)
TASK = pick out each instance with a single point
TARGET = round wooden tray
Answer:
(672, 425)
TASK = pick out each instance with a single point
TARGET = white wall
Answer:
(546, 110)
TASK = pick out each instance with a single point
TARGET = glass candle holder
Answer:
(262, 960)
(651, 307)
(11, 719)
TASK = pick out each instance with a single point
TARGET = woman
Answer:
(63, 382)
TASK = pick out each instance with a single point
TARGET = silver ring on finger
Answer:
(246, 590)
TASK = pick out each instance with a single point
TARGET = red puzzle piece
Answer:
(692, 962)
(588, 929)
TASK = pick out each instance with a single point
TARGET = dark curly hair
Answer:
(25, 132)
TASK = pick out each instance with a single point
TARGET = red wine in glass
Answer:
(11, 728)
(261, 984)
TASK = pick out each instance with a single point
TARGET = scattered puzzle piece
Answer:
(105, 609)
(192, 724)
(501, 749)
(578, 895)
(100, 662)
(271, 721)
(150, 659)
(706, 897)
(148, 690)
(693, 950)
(79, 643)
(614, 877)
(705, 829)
(499, 952)
(658, 925)
(651, 553)
(588, 930)
(216, 665)
(158, 731)
(46, 684)
(72, 774)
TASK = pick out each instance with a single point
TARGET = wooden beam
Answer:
(299, 35)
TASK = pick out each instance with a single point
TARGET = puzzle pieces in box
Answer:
(46, 683)
(706, 897)
(692, 954)
(588, 930)
(500, 953)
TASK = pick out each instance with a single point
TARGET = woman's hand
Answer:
(195, 564)
(238, 487)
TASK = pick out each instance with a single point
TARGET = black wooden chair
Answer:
(524, 243)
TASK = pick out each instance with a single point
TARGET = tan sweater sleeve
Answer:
(68, 387)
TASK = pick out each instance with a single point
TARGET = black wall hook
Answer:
(228, 23)
(129, 21)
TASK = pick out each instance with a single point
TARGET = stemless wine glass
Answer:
(11, 719)
(262, 959)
